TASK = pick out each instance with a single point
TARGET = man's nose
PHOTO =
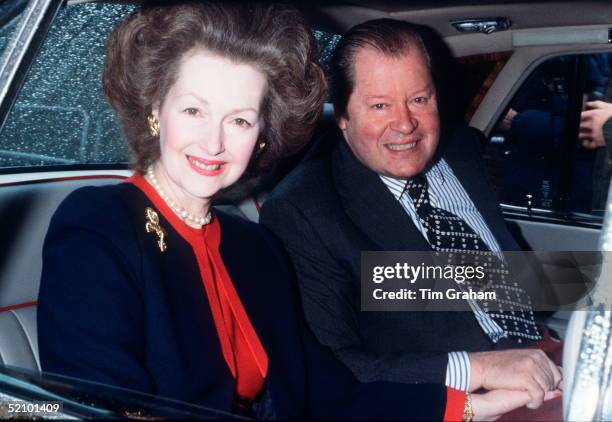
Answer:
(213, 139)
(404, 120)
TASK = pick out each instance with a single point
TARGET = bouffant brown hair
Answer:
(145, 51)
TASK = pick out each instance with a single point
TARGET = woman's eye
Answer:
(241, 122)
(192, 111)
(379, 106)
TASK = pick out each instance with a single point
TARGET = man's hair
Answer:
(144, 53)
(390, 37)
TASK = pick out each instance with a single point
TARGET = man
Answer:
(362, 197)
(596, 133)
(596, 125)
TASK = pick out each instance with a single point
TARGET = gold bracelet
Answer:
(468, 412)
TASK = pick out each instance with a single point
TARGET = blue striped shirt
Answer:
(446, 192)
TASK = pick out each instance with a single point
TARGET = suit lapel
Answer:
(371, 206)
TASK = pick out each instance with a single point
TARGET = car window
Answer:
(10, 11)
(60, 116)
(534, 152)
(327, 44)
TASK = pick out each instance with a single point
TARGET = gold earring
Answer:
(262, 146)
(153, 126)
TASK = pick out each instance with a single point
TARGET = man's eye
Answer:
(192, 111)
(241, 122)
(379, 106)
(421, 100)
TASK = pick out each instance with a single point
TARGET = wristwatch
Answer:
(468, 412)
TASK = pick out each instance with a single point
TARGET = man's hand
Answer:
(506, 122)
(528, 370)
(492, 405)
(591, 124)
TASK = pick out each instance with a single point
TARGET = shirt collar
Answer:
(396, 186)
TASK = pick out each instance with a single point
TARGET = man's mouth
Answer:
(206, 166)
(402, 147)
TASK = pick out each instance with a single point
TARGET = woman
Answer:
(145, 286)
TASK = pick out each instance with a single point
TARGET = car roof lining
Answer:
(345, 14)
(338, 16)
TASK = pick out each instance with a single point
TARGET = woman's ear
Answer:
(155, 110)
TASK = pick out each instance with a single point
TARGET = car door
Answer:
(525, 89)
(552, 189)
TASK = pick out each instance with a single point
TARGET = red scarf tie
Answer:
(243, 352)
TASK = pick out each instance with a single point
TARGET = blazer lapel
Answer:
(371, 206)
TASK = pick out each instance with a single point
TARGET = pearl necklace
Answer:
(200, 220)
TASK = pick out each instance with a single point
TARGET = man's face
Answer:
(392, 123)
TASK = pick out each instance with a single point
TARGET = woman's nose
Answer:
(212, 141)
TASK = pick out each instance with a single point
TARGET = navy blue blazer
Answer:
(114, 309)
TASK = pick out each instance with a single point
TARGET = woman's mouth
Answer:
(206, 167)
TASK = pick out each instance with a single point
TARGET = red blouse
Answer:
(455, 404)
(243, 352)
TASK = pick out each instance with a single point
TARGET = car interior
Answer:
(498, 46)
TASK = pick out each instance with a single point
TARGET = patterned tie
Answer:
(450, 234)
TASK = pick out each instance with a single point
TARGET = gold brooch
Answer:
(152, 225)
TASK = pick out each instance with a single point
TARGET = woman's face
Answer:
(209, 123)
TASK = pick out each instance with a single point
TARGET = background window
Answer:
(61, 116)
(534, 153)
(327, 44)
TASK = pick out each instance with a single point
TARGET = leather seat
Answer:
(25, 211)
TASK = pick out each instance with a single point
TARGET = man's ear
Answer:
(341, 121)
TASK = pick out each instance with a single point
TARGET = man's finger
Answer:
(557, 373)
(590, 105)
(536, 392)
(586, 116)
(545, 369)
(550, 369)
(560, 385)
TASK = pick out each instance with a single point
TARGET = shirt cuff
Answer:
(455, 405)
(458, 371)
